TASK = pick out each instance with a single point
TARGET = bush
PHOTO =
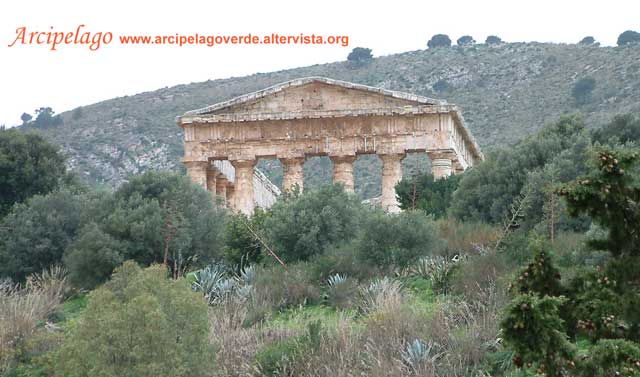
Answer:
(302, 225)
(465, 40)
(35, 234)
(628, 37)
(397, 241)
(92, 257)
(426, 193)
(150, 325)
(622, 129)
(612, 358)
(540, 277)
(275, 358)
(343, 260)
(439, 40)
(360, 55)
(533, 328)
(276, 288)
(582, 90)
(493, 40)
(29, 165)
(240, 245)
(441, 85)
(587, 41)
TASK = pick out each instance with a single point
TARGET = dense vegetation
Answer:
(524, 265)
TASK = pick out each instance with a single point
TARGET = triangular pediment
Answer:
(315, 94)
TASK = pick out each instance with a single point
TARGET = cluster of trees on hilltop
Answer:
(361, 55)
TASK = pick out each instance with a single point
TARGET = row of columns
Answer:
(240, 195)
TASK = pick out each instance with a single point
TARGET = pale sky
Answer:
(32, 76)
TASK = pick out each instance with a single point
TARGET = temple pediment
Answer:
(315, 94)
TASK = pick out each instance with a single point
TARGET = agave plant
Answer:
(213, 282)
(379, 293)
(245, 281)
(336, 279)
(247, 275)
(417, 353)
(340, 291)
(437, 269)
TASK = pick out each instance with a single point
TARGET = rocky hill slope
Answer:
(505, 92)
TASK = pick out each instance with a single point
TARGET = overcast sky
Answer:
(32, 76)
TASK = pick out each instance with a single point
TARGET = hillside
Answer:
(505, 92)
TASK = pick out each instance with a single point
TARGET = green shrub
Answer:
(426, 193)
(439, 40)
(493, 40)
(582, 90)
(343, 260)
(139, 324)
(92, 257)
(274, 359)
(29, 165)
(35, 234)
(360, 55)
(465, 40)
(240, 245)
(611, 357)
(398, 240)
(628, 37)
(532, 327)
(277, 288)
(302, 225)
(622, 129)
(589, 40)
(539, 277)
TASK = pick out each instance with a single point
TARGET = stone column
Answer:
(293, 173)
(212, 174)
(441, 167)
(231, 196)
(243, 195)
(221, 190)
(343, 171)
(391, 175)
(197, 171)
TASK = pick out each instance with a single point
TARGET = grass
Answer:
(71, 308)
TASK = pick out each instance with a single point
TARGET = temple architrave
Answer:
(317, 116)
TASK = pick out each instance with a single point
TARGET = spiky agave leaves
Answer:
(418, 353)
(217, 286)
(340, 291)
(380, 294)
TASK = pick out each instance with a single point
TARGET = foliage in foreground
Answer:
(140, 323)
(598, 305)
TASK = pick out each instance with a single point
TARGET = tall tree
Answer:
(29, 165)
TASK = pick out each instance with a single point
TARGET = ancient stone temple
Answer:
(317, 116)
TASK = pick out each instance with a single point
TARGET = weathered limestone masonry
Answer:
(317, 116)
